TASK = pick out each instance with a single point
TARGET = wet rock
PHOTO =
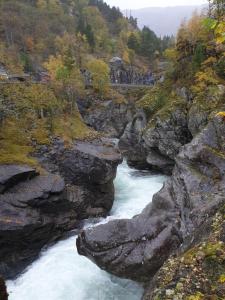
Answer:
(137, 248)
(196, 270)
(37, 210)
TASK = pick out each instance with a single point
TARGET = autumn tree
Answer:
(66, 79)
(73, 46)
(100, 75)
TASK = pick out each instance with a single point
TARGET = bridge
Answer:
(112, 85)
(131, 85)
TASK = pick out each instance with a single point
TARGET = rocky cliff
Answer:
(138, 248)
(37, 208)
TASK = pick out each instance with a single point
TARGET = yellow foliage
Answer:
(53, 65)
(204, 79)
(171, 54)
(42, 4)
(9, 57)
(35, 115)
(198, 296)
(100, 75)
(222, 278)
(220, 32)
(221, 114)
(126, 56)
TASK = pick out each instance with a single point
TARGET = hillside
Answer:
(171, 16)
(79, 29)
(74, 42)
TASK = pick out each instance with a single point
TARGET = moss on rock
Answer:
(198, 273)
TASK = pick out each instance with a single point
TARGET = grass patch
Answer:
(29, 121)
(153, 101)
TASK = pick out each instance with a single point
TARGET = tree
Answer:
(100, 75)
(72, 45)
(90, 36)
(216, 8)
(133, 42)
(199, 56)
(98, 26)
(66, 79)
(149, 43)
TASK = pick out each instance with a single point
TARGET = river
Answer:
(61, 274)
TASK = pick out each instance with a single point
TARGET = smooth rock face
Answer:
(137, 248)
(131, 248)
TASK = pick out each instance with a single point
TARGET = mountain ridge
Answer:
(172, 16)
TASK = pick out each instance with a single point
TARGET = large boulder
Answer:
(137, 248)
(133, 249)
(33, 213)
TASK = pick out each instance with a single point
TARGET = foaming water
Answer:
(61, 274)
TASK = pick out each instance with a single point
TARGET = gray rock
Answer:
(131, 143)
(197, 119)
(155, 144)
(160, 162)
(168, 134)
(106, 116)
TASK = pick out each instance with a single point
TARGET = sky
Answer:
(134, 4)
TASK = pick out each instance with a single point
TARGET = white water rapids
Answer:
(61, 274)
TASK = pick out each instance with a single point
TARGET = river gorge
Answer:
(62, 274)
